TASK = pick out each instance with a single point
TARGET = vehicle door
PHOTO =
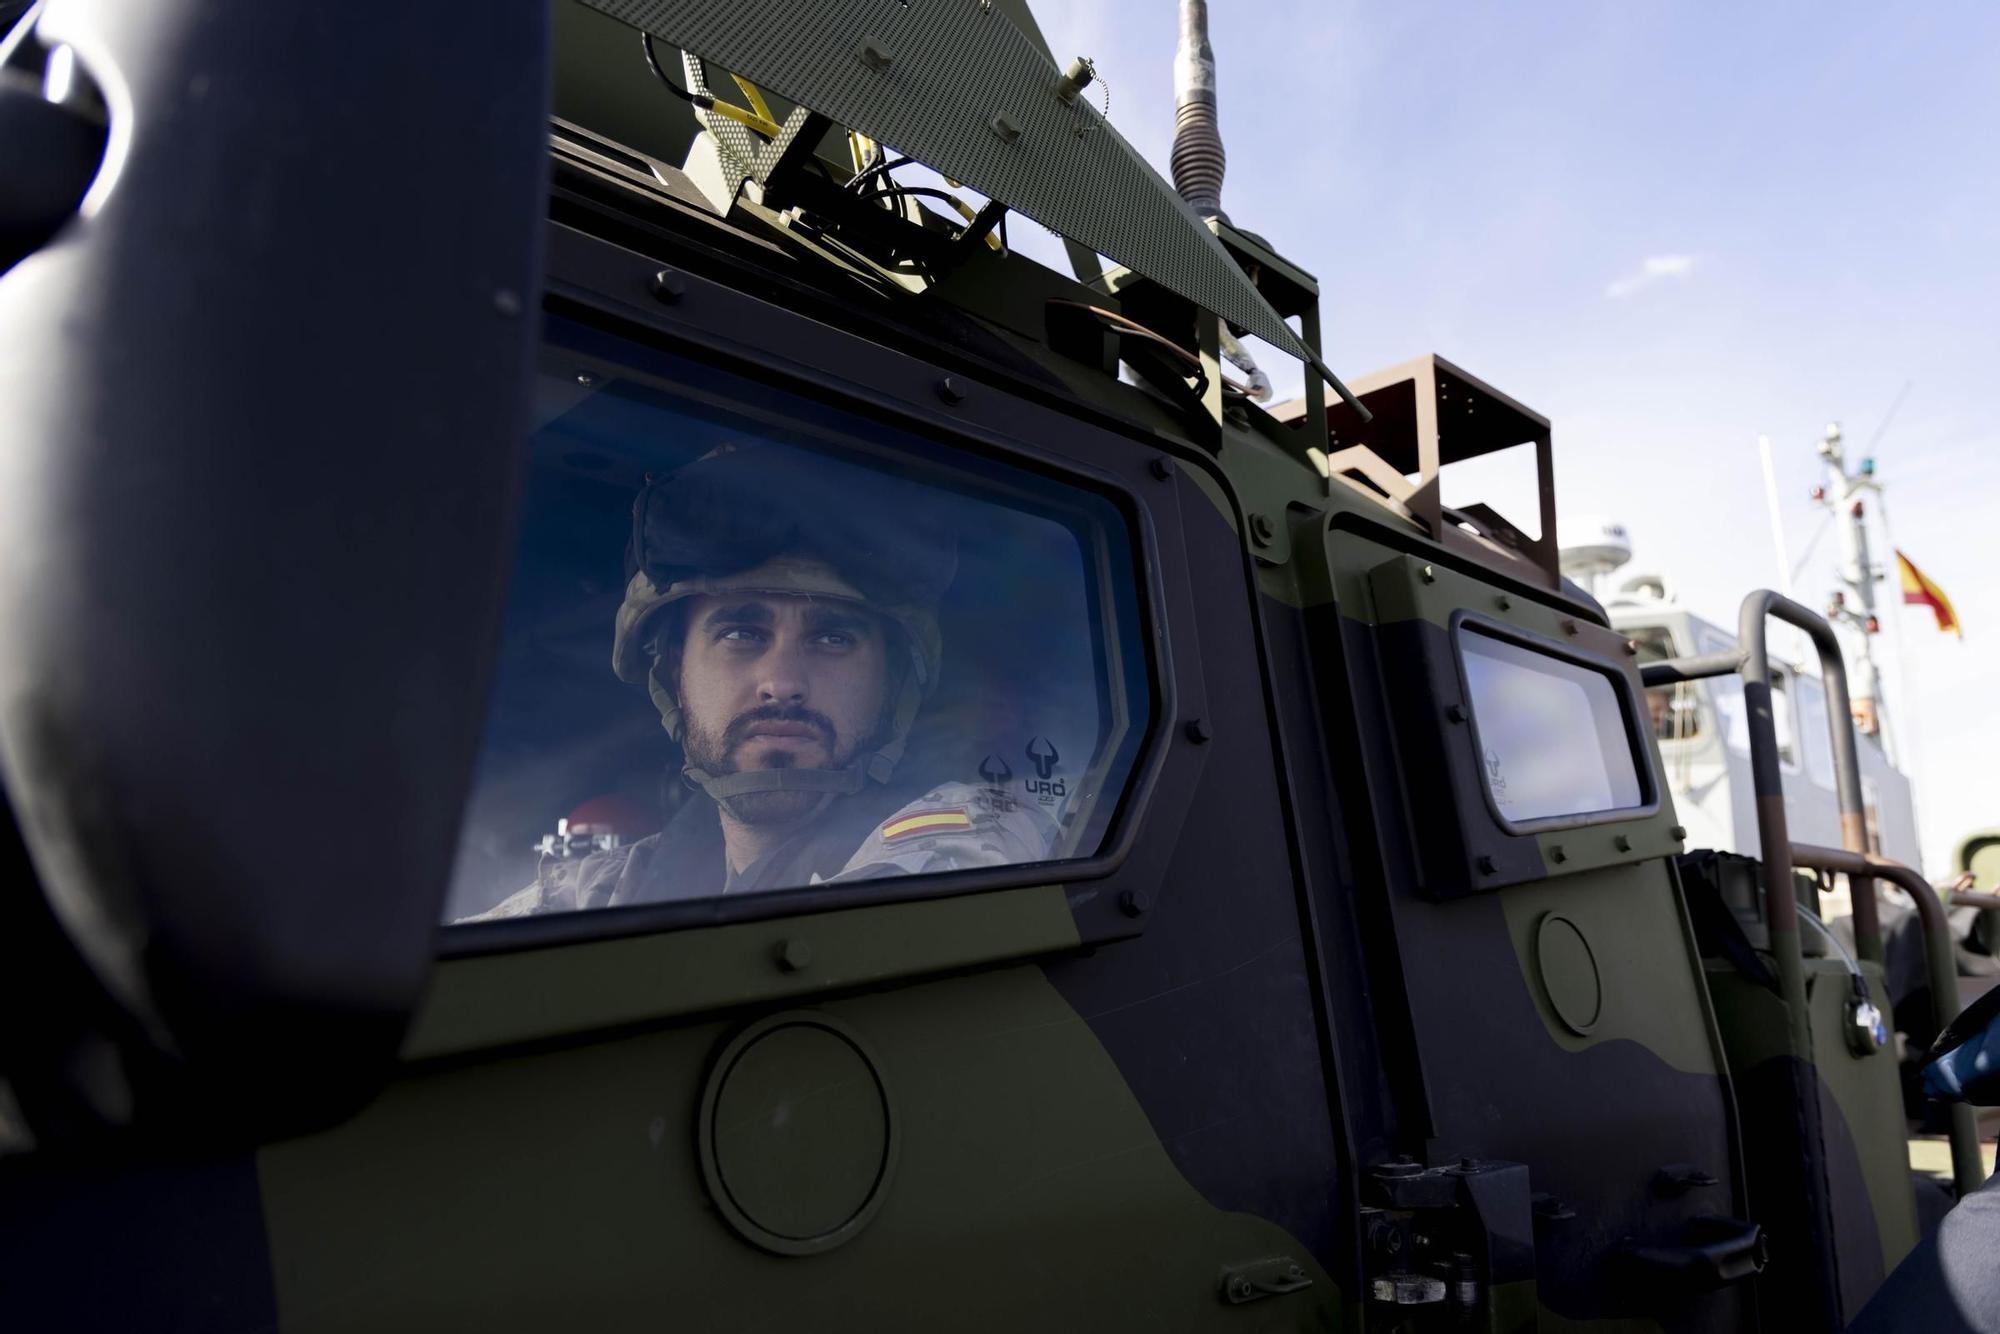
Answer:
(1514, 882)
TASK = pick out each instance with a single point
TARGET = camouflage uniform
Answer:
(951, 827)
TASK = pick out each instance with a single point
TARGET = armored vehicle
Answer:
(616, 715)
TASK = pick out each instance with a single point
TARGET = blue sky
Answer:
(1669, 227)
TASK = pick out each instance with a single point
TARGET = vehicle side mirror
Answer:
(265, 402)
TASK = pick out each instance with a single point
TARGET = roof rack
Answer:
(1427, 413)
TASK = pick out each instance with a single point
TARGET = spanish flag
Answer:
(1918, 588)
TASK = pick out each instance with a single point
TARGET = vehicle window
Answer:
(1671, 711)
(1725, 693)
(754, 642)
(1553, 738)
(1813, 735)
(1782, 720)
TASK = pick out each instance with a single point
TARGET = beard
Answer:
(715, 755)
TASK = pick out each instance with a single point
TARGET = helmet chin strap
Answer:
(723, 789)
(830, 784)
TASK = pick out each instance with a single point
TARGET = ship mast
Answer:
(1853, 603)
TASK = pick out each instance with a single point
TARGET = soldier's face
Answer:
(774, 682)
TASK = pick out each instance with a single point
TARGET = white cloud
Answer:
(1655, 269)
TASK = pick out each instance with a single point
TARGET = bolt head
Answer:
(1261, 529)
(1557, 854)
(1162, 468)
(950, 390)
(668, 287)
(1455, 712)
(1135, 903)
(1487, 866)
(1570, 627)
(1622, 843)
(1678, 833)
(1198, 731)
(1429, 575)
(794, 956)
(1504, 602)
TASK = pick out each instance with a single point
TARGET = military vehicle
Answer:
(1269, 915)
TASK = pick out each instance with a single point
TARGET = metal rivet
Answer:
(1261, 531)
(668, 286)
(1487, 866)
(1135, 903)
(1505, 603)
(1455, 712)
(950, 390)
(875, 55)
(793, 955)
(1198, 731)
(1556, 853)
(1003, 125)
(1622, 843)
(1631, 648)
(1678, 833)
(1162, 468)
(1429, 575)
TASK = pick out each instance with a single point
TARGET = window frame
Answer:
(1629, 710)
(601, 286)
(1706, 726)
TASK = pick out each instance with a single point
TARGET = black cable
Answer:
(882, 168)
(701, 100)
(923, 190)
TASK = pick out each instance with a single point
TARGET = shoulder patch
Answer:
(930, 820)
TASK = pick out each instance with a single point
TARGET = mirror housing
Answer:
(261, 424)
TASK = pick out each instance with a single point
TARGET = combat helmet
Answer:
(769, 518)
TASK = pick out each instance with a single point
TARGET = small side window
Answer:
(1674, 711)
(1783, 721)
(756, 643)
(1552, 733)
(1813, 731)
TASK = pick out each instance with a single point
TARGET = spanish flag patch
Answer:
(926, 822)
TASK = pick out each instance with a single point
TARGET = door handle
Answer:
(1709, 1253)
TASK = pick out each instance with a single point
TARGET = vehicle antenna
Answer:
(1197, 159)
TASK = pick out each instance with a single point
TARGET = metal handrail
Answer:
(1779, 854)
(1753, 662)
(1940, 963)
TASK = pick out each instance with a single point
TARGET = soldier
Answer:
(781, 611)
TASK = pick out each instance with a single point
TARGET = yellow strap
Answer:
(755, 98)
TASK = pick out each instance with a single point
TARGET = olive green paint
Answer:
(1868, 1092)
(1566, 966)
(1980, 854)
(797, 1134)
(1402, 588)
(1403, 591)
(1644, 963)
(561, 1189)
(539, 994)
(1513, 1306)
(1865, 1090)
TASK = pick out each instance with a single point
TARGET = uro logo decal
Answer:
(1044, 787)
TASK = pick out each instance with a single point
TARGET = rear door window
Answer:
(1552, 733)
